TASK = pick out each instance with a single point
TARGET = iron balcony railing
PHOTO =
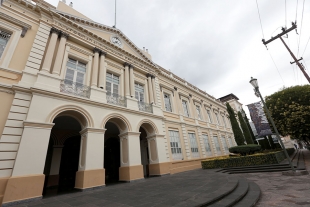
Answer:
(74, 88)
(116, 99)
(145, 107)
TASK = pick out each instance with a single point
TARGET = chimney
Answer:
(147, 50)
(71, 4)
(143, 48)
(64, 1)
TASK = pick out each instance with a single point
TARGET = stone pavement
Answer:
(284, 191)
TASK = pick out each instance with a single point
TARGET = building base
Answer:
(159, 169)
(89, 179)
(131, 173)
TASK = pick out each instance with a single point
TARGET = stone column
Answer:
(60, 53)
(127, 86)
(91, 172)
(47, 63)
(102, 71)
(27, 178)
(154, 90)
(131, 168)
(149, 81)
(94, 80)
(53, 178)
(132, 82)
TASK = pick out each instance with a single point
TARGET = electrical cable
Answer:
(289, 44)
(276, 66)
(285, 15)
(305, 47)
(302, 17)
(261, 26)
(296, 11)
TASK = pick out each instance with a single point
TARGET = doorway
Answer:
(62, 157)
(144, 152)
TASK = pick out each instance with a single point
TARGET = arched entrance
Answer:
(62, 157)
(111, 153)
(144, 152)
(147, 146)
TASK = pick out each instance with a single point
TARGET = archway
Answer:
(147, 148)
(62, 158)
(111, 153)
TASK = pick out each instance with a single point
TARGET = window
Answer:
(167, 102)
(224, 143)
(207, 144)
(209, 116)
(223, 117)
(139, 92)
(185, 108)
(217, 118)
(4, 38)
(75, 72)
(112, 84)
(230, 142)
(216, 143)
(198, 112)
(175, 145)
(194, 145)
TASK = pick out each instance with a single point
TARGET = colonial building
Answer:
(83, 106)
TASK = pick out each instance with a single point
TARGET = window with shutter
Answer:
(185, 108)
(139, 92)
(75, 72)
(207, 144)
(4, 38)
(194, 145)
(112, 84)
(175, 145)
(167, 102)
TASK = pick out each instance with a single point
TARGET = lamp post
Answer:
(254, 83)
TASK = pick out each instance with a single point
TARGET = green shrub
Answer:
(251, 160)
(245, 149)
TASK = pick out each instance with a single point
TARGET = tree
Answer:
(290, 110)
(249, 127)
(235, 126)
(245, 129)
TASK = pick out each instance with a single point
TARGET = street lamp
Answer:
(254, 83)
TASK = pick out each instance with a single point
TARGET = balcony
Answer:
(73, 88)
(116, 99)
(145, 107)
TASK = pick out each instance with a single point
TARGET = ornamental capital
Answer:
(96, 50)
(64, 35)
(54, 30)
(126, 64)
(103, 53)
(131, 66)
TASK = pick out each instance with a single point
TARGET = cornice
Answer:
(110, 63)
(97, 25)
(15, 21)
(78, 49)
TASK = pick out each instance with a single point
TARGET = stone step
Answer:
(254, 166)
(206, 199)
(251, 198)
(234, 196)
(258, 170)
(257, 167)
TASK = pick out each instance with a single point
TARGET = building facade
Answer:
(83, 106)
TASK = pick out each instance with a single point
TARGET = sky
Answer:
(214, 45)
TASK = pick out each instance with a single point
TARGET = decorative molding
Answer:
(7, 91)
(11, 70)
(79, 49)
(54, 30)
(38, 124)
(96, 50)
(64, 35)
(103, 53)
(110, 63)
(139, 76)
(15, 21)
(126, 64)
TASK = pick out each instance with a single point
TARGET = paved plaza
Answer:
(188, 189)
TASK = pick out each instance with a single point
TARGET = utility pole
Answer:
(285, 31)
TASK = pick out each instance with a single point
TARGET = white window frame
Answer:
(139, 93)
(186, 113)
(193, 145)
(75, 70)
(217, 144)
(224, 144)
(170, 102)
(198, 110)
(223, 117)
(175, 145)
(209, 115)
(217, 118)
(207, 144)
(112, 83)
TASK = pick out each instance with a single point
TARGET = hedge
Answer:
(250, 160)
(245, 149)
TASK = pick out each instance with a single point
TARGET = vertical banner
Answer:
(259, 119)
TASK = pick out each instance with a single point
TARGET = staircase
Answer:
(297, 161)
(238, 193)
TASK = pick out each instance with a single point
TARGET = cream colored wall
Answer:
(6, 102)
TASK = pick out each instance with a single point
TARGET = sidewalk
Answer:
(284, 191)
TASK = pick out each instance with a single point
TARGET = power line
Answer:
(288, 39)
(261, 26)
(296, 11)
(306, 47)
(285, 15)
(302, 17)
(276, 66)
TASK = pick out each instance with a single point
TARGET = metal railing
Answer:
(145, 107)
(116, 99)
(74, 88)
